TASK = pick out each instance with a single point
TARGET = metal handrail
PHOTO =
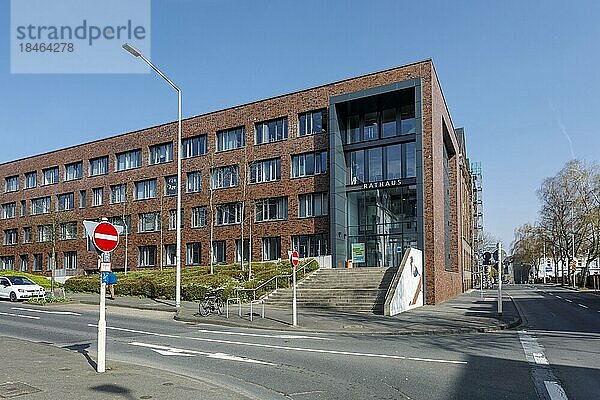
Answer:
(275, 278)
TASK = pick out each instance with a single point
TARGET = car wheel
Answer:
(13, 296)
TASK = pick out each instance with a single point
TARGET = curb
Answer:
(135, 307)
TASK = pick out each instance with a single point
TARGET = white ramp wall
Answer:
(406, 290)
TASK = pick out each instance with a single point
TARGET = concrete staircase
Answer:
(353, 290)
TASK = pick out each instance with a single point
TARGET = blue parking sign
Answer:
(105, 277)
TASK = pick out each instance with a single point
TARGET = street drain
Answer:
(145, 397)
(14, 389)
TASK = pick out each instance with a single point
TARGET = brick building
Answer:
(370, 163)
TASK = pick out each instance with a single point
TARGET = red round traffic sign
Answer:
(106, 237)
(294, 258)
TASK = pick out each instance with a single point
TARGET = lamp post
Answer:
(134, 52)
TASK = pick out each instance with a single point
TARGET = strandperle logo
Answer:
(85, 31)
(78, 36)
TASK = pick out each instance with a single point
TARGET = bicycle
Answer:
(212, 302)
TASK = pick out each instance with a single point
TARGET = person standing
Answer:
(111, 281)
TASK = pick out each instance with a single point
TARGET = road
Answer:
(554, 353)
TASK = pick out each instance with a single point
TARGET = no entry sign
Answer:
(106, 237)
(294, 258)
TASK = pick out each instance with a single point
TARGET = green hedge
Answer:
(196, 282)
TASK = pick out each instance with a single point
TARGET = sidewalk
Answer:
(468, 312)
(39, 371)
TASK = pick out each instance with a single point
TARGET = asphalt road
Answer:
(555, 352)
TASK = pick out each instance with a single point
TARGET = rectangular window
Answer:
(265, 171)
(23, 208)
(224, 177)
(128, 160)
(160, 153)
(271, 131)
(99, 166)
(173, 219)
(370, 129)
(271, 248)
(393, 161)
(194, 182)
(30, 179)
(10, 237)
(24, 263)
(11, 183)
(238, 250)
(228, 214)
(170, 255)
(356, 167)
(97, 196)
(50, 176)
(149, 222)
(27, 234)
(388, 123)
(123, 221)
(171, 185)
(9, 210)
(271, 209)
(73, 171)
(70, 259)
(44, 233)
(354, 133)
(7, 262)
(308, 164)
(374, 159)
(192, 253)
(312, 205)
(65, 202)
(118, 193)
(408, 124)
(311, 245)
(219, 252)
(410, 151)
(198, 217)
(41, 205)
(37, 262)
(194, 146)
(147, 256)
(231, 139)
(82, 198)
(311, 123)
(68, 230)
(145, 189)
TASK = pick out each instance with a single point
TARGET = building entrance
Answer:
(382, 225)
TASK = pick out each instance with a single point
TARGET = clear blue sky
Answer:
(520, 76)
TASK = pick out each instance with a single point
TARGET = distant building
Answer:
(370, 165)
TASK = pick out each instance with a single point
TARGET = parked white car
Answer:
(19, 288)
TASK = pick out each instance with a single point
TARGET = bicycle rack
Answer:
(262, 315)
(236, 300)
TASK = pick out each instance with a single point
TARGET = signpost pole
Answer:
(101, 367)
(294, 263)
(500, 278)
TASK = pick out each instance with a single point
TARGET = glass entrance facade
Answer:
(384, 222)
(377, 184)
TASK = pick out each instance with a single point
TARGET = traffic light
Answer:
(487, 258)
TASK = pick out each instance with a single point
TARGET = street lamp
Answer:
(134, 52)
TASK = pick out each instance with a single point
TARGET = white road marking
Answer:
(581, 305)
(300, 349)
(164, 350)
(18, 315)
(570, 301)
(262, 335)
(555, 391)
(558, 297)
(534, 353)
(47, 312)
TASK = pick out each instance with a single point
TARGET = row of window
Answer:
(306, 245)
(395, 121)
(269, 170)
(265, 132)
(273, 209)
